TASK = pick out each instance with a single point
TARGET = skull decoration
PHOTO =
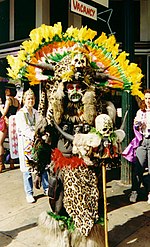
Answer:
(79, 61)
(74, 91)
(104, 124)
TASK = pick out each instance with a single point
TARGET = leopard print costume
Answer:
(81, 197)
(49, 88)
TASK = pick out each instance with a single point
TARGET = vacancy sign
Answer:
(83, 9)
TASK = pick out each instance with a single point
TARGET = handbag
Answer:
(3, 125)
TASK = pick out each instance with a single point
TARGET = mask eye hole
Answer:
(70, 87)
(104, 129)
(111, 129)
(82, 61)
(78, 87)
(76, 60)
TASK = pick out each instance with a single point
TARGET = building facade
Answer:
(129, 20)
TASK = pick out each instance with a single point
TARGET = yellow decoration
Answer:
(67, 76)
(48, 43)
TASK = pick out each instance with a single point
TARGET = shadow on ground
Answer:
(118, 201)
(121, 232)
(13, 234)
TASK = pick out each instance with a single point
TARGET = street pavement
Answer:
(128, 224)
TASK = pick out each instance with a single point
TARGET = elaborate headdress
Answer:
(48, 44)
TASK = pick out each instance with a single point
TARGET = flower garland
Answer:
(49, 43)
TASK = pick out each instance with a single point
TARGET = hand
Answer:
(138, 123)
(143, 126)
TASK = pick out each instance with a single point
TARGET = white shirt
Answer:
(143, 117)
(25, 126)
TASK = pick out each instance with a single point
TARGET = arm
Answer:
(137, 120)
(6, 108)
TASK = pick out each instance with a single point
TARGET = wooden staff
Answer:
(105, 203)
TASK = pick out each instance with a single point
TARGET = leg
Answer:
(28, 186)
(148, 158)
(137, 172)
(45, 182)
(11, 163)
(2, 166)
(146, 183)
(148, 177)
(137, 175)
(142, 154)
(28, 183)
(2, 138)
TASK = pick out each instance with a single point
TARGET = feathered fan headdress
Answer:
(48, 44)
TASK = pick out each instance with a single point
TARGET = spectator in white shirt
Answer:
(26, 119)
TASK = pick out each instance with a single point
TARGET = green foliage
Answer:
(112, 137)
(100, 221)
(93, 130)
(58, 57)
(64, 222)
(94, 65)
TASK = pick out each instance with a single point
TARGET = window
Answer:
(59, 13)
(4, 21)
(117, 19)
(24, 18)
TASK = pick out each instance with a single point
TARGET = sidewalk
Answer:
(128, 225)
(18, 219)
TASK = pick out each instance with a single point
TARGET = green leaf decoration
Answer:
(65, 222)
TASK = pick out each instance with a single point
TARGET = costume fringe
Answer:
(89, 102)
(57, 105)
(55, 237)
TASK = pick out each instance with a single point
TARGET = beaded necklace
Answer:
(30, 120)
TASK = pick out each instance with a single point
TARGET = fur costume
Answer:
(89, 106)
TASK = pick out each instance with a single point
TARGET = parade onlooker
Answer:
(138, 151)
(10, 108)
(26, 119)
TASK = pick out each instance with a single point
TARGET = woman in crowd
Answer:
(10, 108)
(26, 119)
(141, 144)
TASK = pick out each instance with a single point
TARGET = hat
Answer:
(10, 86)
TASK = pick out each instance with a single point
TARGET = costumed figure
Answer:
(74, 71)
